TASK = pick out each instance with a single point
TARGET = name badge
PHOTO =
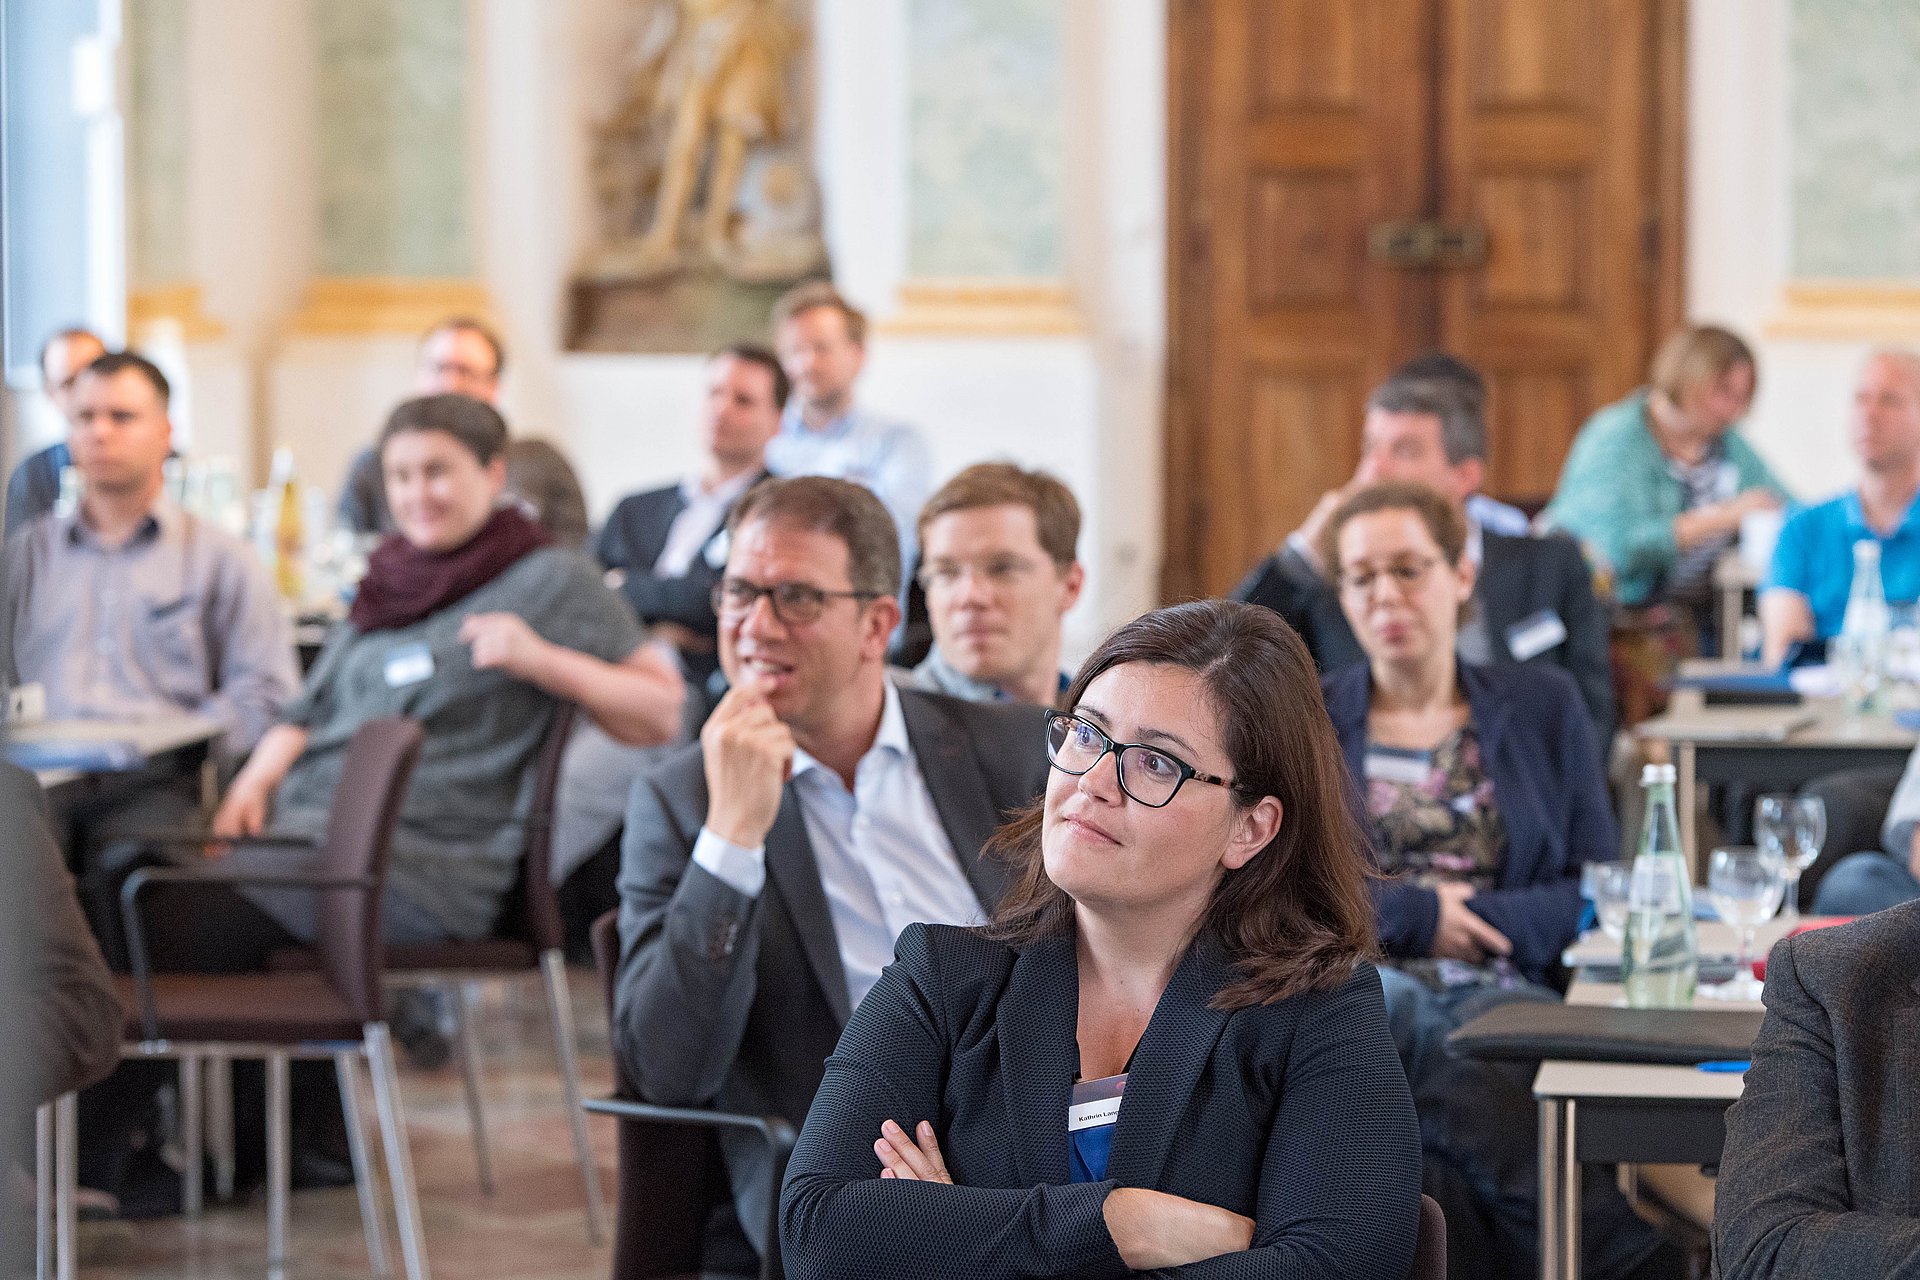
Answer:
(1534, 634)
(1096, 1103)
(1397, 764)
(409, 664)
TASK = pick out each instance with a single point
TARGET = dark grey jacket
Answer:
(736, 1002)
(1821, 1174)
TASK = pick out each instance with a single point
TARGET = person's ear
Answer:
(1468, 475)
(1469, 573)
(1253, 830)
(882, 616)
(497, 474)
(1071, 583)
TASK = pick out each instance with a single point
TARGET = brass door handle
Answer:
(1427, 245)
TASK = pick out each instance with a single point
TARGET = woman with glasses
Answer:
(1483, 796)
(1167, 1047)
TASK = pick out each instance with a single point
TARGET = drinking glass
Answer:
(1745, 886)
(1605, 885)
(1781, 825)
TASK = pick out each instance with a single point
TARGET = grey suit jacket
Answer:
(736, 1002)
(1821, 1174)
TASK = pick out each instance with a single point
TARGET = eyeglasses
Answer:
(1147, 774)
(999, 571)
(795, 604)
(1403, 574)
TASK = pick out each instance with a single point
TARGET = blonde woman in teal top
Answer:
(1656, 484)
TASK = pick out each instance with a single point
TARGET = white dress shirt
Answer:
(697, 522)
(885, 860)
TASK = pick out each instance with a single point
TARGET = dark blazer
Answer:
(1537, 746)
(1295, 1114)
(736, 1002)
(1821, 1173)
(633, 538)
(34, 487)
(1519, 577)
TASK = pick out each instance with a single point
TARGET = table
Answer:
(174, 743)
(1777, 747)
(1624, 1113)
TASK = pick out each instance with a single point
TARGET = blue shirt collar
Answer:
(1856, 516)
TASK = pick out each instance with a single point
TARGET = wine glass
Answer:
(1745, 886)
(1809, 833)
(1773, 833)
(1605, 885)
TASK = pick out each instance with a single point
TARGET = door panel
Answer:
(1546, 142)
(1290, 121)
(1296, 127)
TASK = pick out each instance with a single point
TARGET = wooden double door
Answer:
(1353, 182)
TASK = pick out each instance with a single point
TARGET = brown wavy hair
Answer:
(1297, 916)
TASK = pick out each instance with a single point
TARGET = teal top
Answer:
(1619, 499)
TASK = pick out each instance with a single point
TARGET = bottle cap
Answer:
(1653, 773)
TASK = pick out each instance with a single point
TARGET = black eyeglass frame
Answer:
(721, 607)
(1118, 750)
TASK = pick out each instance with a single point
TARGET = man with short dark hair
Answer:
(131, 608)
(998, 562)
(1534, 595)
(34, 487)
(460, 355)
(666, 543)
(822, 341)
(768, 869)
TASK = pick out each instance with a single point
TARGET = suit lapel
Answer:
(1039, 1055)
(791, 866)
(1497, 591)
(1175, 1049)
(958, 787)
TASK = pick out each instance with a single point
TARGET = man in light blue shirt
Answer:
(767, 870)
(1805, 596)
(822, 341)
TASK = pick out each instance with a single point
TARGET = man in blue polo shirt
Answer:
(1805, 596)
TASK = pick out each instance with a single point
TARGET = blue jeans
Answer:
(1863, 883)
(1479, 1134)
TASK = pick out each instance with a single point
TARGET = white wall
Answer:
(1738, 237)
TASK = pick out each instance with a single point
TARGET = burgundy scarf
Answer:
(404, 584)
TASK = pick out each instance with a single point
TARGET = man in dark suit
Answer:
(667, 543)
(767, 870)
(1533, 598)
(34, 487)
(1821, 1173)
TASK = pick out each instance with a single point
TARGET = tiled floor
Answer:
(534, 1225)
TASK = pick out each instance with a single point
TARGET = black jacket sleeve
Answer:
(839, 1220)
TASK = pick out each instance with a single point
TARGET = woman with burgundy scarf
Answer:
(472, 623)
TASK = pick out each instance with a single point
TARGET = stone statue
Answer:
(705, 135)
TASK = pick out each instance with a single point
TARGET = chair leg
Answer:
(393, 1132)
(553, 968)
(467, 1045)
(219, 1090)
(349, 1076)
(66, 1177)
(192, 1136)
(279, 1160)
(43, 1192)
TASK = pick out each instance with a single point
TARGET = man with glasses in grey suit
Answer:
(767, 870)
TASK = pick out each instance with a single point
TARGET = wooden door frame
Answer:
(1189, 228)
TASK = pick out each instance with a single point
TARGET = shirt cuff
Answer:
(741, 869)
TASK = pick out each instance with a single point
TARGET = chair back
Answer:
(544, 927)
(366, 807)
(1430, 1249)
